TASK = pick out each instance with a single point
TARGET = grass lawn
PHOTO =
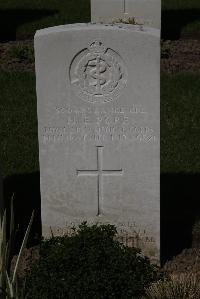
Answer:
(18, 125)
(182, 15)
(180, 122)
(180, 4)
(20, 19)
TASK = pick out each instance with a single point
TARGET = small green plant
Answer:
(182, 286)
(131, 21)
(127, 21)
(196, 228)
(22, 52)
(8, 283)
(196, 234)
(165, 48)
(89, 264)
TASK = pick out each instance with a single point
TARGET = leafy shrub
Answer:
(22, 52)
(196, 234)
(165, 48)
(89, 264)
(183, 286)
(196, 227)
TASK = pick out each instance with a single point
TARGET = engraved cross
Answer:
(124, 6)
(99, 173)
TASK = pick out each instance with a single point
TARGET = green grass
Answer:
(21, 53)
(180, 17)
(18, 126)
(26, 16)
(180, 4)
(192, 27)
(180, 123)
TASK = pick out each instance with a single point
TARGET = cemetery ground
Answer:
(180, 117)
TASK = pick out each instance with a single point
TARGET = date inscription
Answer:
(99, 124)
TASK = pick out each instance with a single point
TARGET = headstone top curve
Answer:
(97, 26)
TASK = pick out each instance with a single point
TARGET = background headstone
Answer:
(98, 117)
(106, 10)
(147, 12)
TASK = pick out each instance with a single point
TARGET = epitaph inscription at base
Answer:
(98, 126)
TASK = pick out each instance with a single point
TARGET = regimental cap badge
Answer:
(98, 74)
(97, 47)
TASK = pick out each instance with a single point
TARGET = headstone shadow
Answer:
(180, 207)
(173, 22)
(11, 19)
(26, 190)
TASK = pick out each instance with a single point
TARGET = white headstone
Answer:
(98, 118)
(106, 11)
(146, 12)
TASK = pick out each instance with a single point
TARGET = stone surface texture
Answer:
(146, 12)
(98, 92)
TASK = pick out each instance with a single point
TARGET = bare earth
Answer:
(12, 60)
(176, 56)
(188, 261)
(183, 55)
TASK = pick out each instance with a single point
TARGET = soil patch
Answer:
(17, 56)
(186, 262)
(180, 55)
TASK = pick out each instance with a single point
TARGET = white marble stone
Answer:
(146, 12)
(98, 120)
(106, 10)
